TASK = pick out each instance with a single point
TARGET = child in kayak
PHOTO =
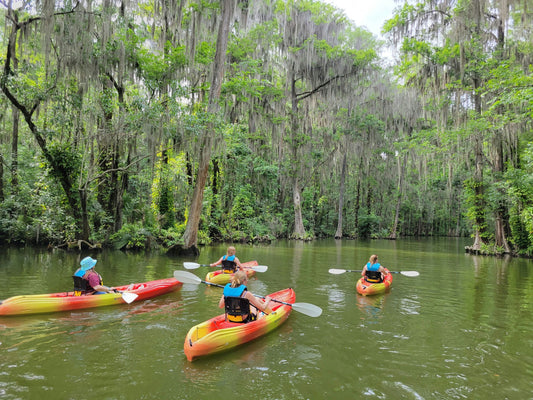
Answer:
(373, 272)
(240, 304)
(230, 262)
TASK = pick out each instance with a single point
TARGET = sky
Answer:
(368, 13)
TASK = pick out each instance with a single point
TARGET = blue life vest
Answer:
(234, 291)
(228, 264)
(372, 272)
(237, 307)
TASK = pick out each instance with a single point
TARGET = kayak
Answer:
(221, 278)
(368, 288)
(217, 334)
(65, 301)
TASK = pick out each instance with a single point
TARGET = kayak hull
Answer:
(66, 301)
(216, 334)
(220, 278)
(368, 289)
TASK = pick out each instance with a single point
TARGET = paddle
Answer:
(336, 271)
(129, 297)
(191, 265)
(305, 308)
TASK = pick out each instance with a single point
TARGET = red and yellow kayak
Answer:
(65, 301)
(220, 278)
(217, 334)
(368, 288)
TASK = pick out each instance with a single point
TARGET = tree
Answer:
(190, 236)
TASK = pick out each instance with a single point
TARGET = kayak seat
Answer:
(80, 285)
(373, 276)
(237, 309)
(229, 267)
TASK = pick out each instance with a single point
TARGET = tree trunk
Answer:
(60, 172)
(12, 49)
(14, 151)
(190, 236)
(338, 234)
(500, 240)
(299, 230)
(401, 167)
(502, 215)
(479, 189)
(85, 229)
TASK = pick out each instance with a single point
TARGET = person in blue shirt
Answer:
(373, 271)
(230, 262)
(239, 303)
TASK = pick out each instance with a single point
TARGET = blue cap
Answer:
(87, 263)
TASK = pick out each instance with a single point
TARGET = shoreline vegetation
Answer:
(132, 126)
(157, 244)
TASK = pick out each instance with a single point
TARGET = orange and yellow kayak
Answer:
(368, 288)
(65, 301)
(217, 334)
(221, 278)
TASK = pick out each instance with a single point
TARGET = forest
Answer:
(172, 124)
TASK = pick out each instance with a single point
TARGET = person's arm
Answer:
(216, 263)
(363, 272)
(221, 302)
(258, 303)
(238, 263)
(102, 288)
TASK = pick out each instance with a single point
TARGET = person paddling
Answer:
(87, 281)
(239, 303)
(373, 272)
(230, 262)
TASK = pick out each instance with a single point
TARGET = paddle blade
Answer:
(307, 309)
(190, 265)
(260, 268)
(410, 273)
(336, 271)
(129, 297)
(187, 277)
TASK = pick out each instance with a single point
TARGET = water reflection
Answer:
(371, 307)
(460, 330)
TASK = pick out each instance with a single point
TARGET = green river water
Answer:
(462, 329)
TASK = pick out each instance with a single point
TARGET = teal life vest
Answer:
(372, 273)
(237, 307)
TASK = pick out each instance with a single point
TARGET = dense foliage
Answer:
(111, 110)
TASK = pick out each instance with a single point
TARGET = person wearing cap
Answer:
(87, 280)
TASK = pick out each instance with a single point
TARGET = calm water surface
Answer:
(460, 330)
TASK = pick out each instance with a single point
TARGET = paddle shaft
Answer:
(337, 271)
(256, 295)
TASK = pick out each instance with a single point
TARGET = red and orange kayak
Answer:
(65, 301)
(221, 278)
(217, 334)
(368, 288)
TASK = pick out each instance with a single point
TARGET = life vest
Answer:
(228, 264)
(237, 307)
(372, 273)
(81, 283)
